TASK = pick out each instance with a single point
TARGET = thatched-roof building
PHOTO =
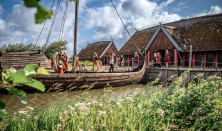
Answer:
(203, 33)
(104, 49)
(19, 60)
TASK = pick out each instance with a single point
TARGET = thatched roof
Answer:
(99, 47)
(204, 33)
(19, 60)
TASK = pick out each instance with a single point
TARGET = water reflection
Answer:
(39, 100)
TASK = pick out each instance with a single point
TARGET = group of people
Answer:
(95, 62)
(60, 62)
(158, 58)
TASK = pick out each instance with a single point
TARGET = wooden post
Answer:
(128, 60)
(75, 35)
(132, 62)
(184, 57)
(193, 60)
(204, 60)
(175, 58)
(167, 71)
(123, 61)
(148, 57)
(190, 56)
(216, 59)
(101, 64)
(84, 66)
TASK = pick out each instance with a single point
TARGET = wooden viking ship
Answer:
(98, 79)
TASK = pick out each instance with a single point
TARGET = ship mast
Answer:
(75, 36)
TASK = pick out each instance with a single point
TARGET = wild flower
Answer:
(58, 125)
(100, 104)
(139, 106)
(118, 103)
(161, 112)
(36, 117)
(79, 104)
(89, 103)
(23, 120)
(71, 108)
(95, 102)
(129, 98)
(29, 107)
(102, 112)
(60, 118)
(121, 100)
(23, 112)
(81, 130)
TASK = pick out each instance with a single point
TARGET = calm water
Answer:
(39, 100)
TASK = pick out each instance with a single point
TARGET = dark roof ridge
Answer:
(204, 16)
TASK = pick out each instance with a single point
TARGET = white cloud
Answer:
(213, 10)
(20, 27)
(135, 14)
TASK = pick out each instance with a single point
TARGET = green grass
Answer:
(197, 107)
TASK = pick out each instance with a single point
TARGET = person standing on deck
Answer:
(60, 57)
(136, 59)
(95, 60)
(167, 57)
(53, 64)
(60, 67)
(66, 61)
(111, 69)
(158, 59)
(77, 63)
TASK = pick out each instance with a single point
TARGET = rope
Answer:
(63, 23)
(50, 30)
(43, 26)
(124, 25)
(53, 21)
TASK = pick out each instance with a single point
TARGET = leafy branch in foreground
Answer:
(12, 78)
(42, 13)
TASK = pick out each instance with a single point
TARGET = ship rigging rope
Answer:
(43, 26)
(124, 25)
(63, 23)
(53, 21)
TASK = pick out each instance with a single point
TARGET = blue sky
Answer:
(97, 19)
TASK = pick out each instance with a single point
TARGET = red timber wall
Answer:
(108, 53)
(161, 43)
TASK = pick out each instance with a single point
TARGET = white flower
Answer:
(89, 103)
(118, 103)
(29, 107)
(102, 112)
(139, 106)
(79, 104)
(23, 120)
(22, 112)
(60, 118)
(58, 125)
(36, 117)
(100, 104)
(161, 112)
(81, 130)
(95, 102)
(71, 108)
(129, 98)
